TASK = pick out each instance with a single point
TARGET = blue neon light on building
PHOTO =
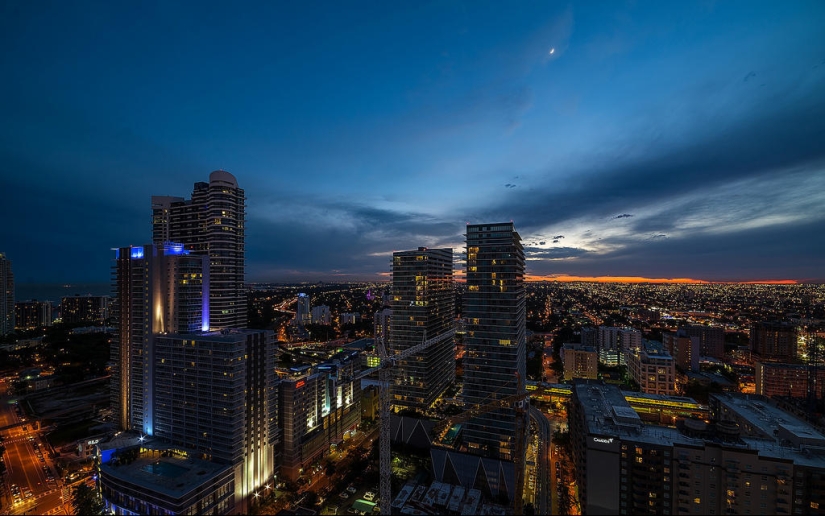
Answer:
(137, 253)
(174, 248)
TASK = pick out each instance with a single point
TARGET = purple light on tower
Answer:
(205, 314)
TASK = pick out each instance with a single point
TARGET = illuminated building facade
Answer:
(321, 315)
(32, 314)
(579, 361)
(774, 340)
(80, 309)
(626, 467)
(711, 339)
(6, 296)
(783, 379)
(683, 348)
(158, 289)
(318, 405)
(217, 394)
(614, 342)
(211, 224)
(383, 326)
(654, 372)
(303, 313)
(423, 306)
(494, 363)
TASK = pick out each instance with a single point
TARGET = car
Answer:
(351, 489)
(352, 510)
(369, 496)
(344, 495)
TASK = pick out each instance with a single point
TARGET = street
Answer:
(28, 466)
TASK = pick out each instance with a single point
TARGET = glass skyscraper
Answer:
(423, 303)
(494, 308)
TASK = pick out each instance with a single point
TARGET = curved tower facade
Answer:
(211, 224)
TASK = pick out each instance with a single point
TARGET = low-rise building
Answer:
(774, 339)
(161, 480)
(784, 379)
(683, 348)
(626, 467)
(319, 405)
(579, 361)
(32, 314)
(653, 370)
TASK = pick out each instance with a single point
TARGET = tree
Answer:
(86, 500)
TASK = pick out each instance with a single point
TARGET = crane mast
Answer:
(389, 361)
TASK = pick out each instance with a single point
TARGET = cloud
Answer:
(326, 236)
(766, 143)
(623, 216)
(553, 253)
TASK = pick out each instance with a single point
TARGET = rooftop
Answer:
(606, 414)
(174, 475)
(771, 420)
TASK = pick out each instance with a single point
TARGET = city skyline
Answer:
(624, 141)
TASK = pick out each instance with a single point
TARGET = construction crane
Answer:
(514, 400)
(389, 361)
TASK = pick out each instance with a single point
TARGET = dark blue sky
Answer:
(654, 139)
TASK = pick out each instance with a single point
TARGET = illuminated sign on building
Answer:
(137, 253)
(174, 248)
(299, 384)
(603, 441)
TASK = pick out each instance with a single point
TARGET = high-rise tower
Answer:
(423, 303)
(158, 289)
(6, 296)
(494, 307)
(211, 224)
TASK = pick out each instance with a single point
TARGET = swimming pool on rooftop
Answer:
(165, 469)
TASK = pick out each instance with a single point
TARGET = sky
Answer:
(624, 139)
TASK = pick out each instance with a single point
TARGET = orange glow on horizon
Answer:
(640, 279)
